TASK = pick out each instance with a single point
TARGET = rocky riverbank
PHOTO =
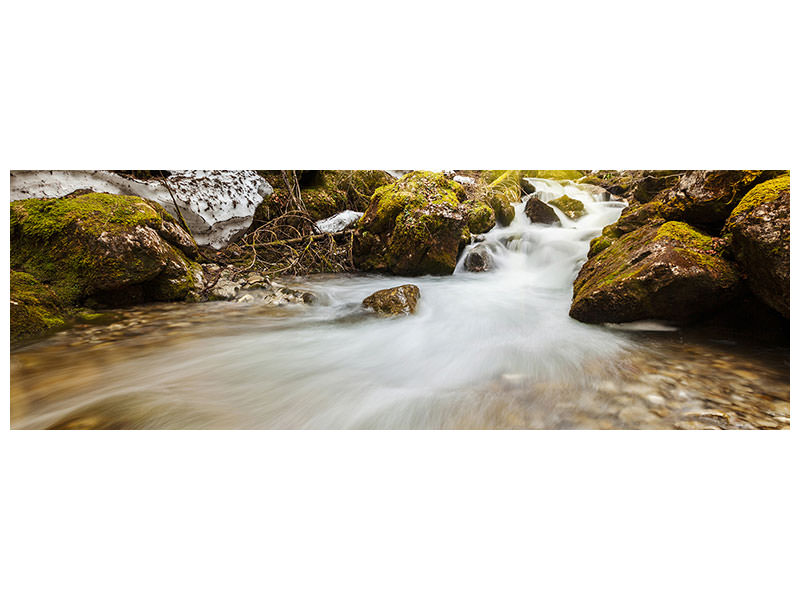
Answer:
(689, 246)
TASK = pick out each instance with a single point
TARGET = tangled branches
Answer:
(290, 244)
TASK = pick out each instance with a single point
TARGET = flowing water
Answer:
(485, 350)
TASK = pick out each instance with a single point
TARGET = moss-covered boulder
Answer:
(574, 209)
(115, 250)
(671, 272)
(539, 212)
(480, 216)
(504, 190)
(708, 197)
(758, 229)
(400, 300)
(35, 309)
(416, 226)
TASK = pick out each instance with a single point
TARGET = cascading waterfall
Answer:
(476, 339)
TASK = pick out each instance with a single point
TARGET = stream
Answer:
(485, 350)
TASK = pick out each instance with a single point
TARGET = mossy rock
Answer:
(504, 191)
(417, 225)
(574, 209)
(35, 309)
(539, 212)
(116, 249)
(400, 300)
(708, 197)
(480, 216)
(571, 175)
(758, 230)
(671, 272)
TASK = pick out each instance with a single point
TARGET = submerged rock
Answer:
(539, 212)
(218, 206)
(400, 300)
(671, 272)
(574, 209)
(478, 260)
(112, 250)
(416, 226)
(759, 232)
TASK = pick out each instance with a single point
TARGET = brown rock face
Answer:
(670, 272)
(759, 232)
(708, 197)
(401, 300)
(539, 212)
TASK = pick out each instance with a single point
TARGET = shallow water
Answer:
(485, 350)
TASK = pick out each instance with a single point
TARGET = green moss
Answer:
(80, 245)
(413, 190)
(45, 217)
(480, 216)
(503, 192)
(598, 245)
(768, 191)
(557, 175)
(684, 235)
(571, 207)
(35, 309)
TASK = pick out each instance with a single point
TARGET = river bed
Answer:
(484, 350)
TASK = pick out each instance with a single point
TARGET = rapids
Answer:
(484, 350)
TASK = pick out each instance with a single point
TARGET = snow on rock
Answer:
(217, 206)
(339, 221)
(464, 180)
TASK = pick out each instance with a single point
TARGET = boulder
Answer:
(574, 209)
(708, 197)
(671, 272)
(758, 229)
(480, 216)
(527, 186)
(504, 190)
(415, 226)
(115, 250)
(637, 187)
(217, 206)
(478, 260)
(539, 212)
(401, 300)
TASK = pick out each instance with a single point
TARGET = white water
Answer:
(332, 365)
